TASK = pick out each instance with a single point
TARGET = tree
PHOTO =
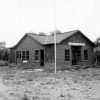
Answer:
(2, 45)
(42, 33)
(3, 51)
(97, 42)
(57, 32)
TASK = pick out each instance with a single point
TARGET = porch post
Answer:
(71, 55)
(82, 55)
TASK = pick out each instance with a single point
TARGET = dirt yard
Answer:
(18, 84)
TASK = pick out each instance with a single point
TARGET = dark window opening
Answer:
(18, 54)
(24, 55)
(36, 55)
(67, 55)
(78, 55)
(41, 57)
(85, 54)
(27, 55)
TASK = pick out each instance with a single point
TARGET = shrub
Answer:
(49, 67)
(13, 65)
(3, 63)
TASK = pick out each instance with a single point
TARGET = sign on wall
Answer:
(76, 44)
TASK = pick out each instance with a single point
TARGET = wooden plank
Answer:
(76, 44)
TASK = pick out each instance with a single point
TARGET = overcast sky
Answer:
(20, 16)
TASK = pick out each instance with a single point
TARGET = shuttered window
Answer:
(67, 55)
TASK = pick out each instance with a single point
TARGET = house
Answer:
(73, 48)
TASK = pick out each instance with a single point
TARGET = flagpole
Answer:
(54, 38)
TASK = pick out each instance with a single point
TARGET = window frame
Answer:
(67, 56)
(18, 55)
(86, 56)
(38, 56)
(27, 55)
(78, 55)
(23, 55)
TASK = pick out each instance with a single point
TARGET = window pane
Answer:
(27, 52)
(36, 52)
(18, 54)
(23, 53)
(78, 54)
(85, 54)
(67, 55)
(27, 57)
(23, 58)
(36, 55)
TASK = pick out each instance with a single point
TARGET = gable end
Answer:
(78, 37)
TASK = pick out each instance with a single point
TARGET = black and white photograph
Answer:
(49, 49)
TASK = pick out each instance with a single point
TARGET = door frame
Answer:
(74, 61)
(42, 59)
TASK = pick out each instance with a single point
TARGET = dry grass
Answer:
(64, 85)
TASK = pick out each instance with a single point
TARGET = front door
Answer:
(41, 57)
(76, 55)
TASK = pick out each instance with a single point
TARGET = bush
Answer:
(49, 67)
(3, 63)
(13, 65)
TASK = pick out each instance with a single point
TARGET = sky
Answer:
(18, 17)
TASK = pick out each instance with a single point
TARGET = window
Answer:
(18, 54)
(36, 55)
(27, 55)
(67, 55)
(24, 55)
(78, 55)
(85, 54)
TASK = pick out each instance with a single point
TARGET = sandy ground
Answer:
(82, 84)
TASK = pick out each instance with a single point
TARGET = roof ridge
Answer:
(32, 33)
(65, 32)
(72, 31)
(53, 34)
(35, 34)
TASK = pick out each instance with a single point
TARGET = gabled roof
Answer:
(44, 39)
(40, 38)
(60, 37)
